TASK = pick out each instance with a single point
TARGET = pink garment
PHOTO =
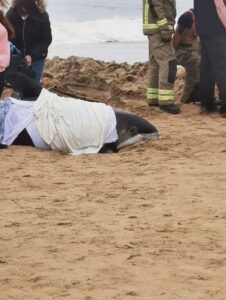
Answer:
(4, 48)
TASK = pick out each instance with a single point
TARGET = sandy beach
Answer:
(147, 223)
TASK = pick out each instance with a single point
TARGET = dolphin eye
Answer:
(133, 130)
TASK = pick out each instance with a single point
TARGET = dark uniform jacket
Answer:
(207, 20)
(32, 35)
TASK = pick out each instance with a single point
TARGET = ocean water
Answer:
(101, 29)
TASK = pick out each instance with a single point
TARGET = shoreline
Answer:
(120, 52)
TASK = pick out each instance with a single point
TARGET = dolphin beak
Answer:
(151, 136)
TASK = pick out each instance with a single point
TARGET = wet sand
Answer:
(146, 223)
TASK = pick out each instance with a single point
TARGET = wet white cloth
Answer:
(35, 136)
(74, 126)
(19, 116)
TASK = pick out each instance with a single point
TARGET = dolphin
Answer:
(131, 128)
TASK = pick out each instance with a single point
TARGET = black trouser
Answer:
(23, 139)
(26, 86)
(213, 67)
(2, 82)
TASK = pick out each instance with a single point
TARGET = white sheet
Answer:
(19, 116)
(73, 126)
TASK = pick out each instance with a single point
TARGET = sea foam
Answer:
(99, 31)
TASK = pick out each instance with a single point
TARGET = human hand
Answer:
(166, 35)
(28, 60)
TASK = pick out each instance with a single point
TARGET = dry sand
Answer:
(147, 223)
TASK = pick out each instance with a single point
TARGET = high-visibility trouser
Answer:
(189, 57)
(162, 71)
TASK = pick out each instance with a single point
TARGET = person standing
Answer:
(210, 18)
(6, 34)
(158, 21)
(32, 32)
(187, 45)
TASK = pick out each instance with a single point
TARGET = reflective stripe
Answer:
(152, 97)
(161, 95)
(165, 95)
(146, 11)
(151, 90)
(154, 26)
(152, 93)
(166, 92)
(162, 22)
(166, 98)
(150, 26)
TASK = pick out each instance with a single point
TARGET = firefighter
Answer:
(187, 45)
(210, 18)
(158, 21)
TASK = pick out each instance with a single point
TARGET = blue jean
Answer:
(38, 66)
(4, 107)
